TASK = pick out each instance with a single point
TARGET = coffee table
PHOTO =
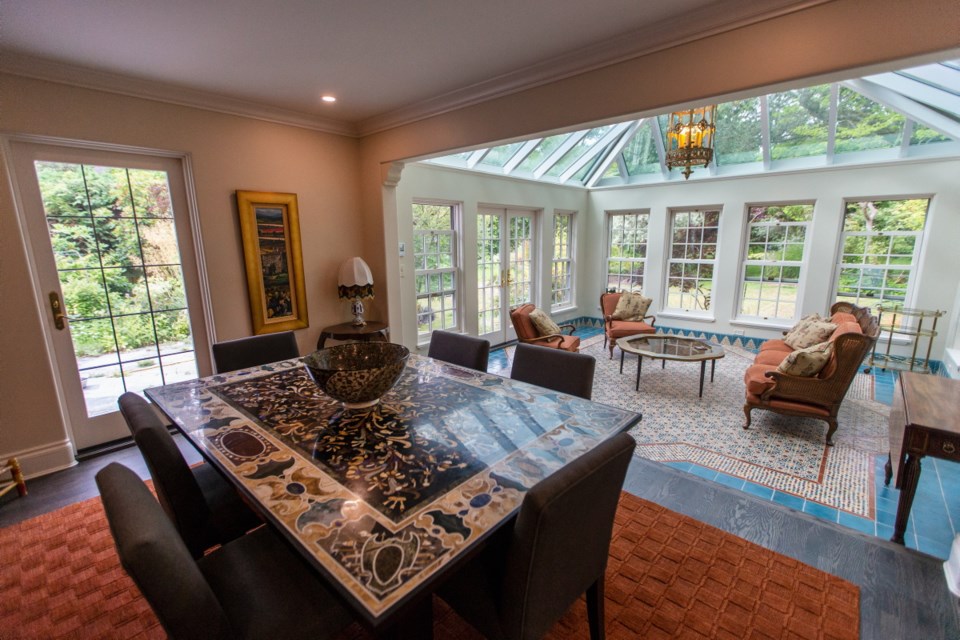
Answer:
(671, 348)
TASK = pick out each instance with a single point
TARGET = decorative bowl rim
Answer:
(402, 353)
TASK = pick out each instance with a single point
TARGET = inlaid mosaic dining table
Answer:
(383, 501)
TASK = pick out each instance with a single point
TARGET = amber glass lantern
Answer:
(690, 138)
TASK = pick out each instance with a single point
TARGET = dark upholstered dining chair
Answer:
(527, 578)
(254, 351)
(253, 587)
(562, 371)
(203, 506)
(457, 348)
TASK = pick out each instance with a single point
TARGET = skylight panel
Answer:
(593, 137)
(640, 154)
(499, 156)
(542, 151)
(799, 122)
(923, 134)
(863, 124)
(738, 138)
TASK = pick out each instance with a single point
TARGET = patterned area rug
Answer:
(668, 576)
(780, 452)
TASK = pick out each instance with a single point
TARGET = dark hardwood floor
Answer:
(903, 592)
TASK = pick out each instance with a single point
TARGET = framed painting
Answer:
(270, 228)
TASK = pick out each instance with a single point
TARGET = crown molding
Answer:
(44, 69)
(711, 20)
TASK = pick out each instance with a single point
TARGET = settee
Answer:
(820, 395)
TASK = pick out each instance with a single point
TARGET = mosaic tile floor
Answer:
(935, 516)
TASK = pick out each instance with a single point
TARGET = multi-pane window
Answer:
(880, 243)
(693, 257)
(627, 242)
(562, 267)
(773, 260)
(436, 267)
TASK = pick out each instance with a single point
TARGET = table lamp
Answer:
(355, 282)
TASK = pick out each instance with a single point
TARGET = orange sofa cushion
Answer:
(622, 328)
(771, 356)
(756, 380)
(775, 344)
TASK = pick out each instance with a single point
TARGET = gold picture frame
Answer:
(270, 229)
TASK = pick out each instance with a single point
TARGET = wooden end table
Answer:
(924, 421)
(348, 331)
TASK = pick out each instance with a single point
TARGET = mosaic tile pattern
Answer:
(382, 499)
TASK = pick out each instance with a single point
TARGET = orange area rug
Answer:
(668, 576)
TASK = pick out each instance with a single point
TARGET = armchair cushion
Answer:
(544, 325)
(808, 332)
(631, 307)
(807, 362)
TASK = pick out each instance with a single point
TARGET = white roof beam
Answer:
(521, 155)
(940, 75)
(916, 91)
(559, 152)
(616, 154)
(476, 157)
(906, 106)
(661, 149)
(765, 132)
(593, 151)
(832, 121)
(905, 137)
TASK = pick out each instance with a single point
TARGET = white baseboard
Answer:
(951, 363)
(47, 458)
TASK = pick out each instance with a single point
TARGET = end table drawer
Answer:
(943, 446)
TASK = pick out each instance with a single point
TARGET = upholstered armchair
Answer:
(614, 329)
(549, 335)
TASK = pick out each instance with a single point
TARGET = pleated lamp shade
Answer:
(354, 279)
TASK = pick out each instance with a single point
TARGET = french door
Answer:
(506, 269)
(115, 268)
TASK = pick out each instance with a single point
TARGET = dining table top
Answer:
(382, 500)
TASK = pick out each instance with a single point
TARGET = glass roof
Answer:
(903, 114)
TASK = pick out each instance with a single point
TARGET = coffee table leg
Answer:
(703, 370)
(713, 367)
(621, 362)
(663, 363)
(639, 367)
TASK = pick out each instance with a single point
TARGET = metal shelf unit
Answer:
(895, 319)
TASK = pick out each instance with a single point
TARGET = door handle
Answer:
(59, 317)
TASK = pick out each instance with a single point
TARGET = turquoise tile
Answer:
(703, 472)
(864, 525)
(757, 490)
(730, 481)
(788, 500)
(888, 518)
(682, 466)
(821, 511)
(937, 548)
(884, 531)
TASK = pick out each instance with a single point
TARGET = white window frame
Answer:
(745, 263)
(564, 261)
(610, 224)
(911, 269)
(684, 262)
(456, 269)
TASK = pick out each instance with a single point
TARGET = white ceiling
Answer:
(386, 61)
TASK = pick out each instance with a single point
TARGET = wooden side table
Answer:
(924, 421)
(348, 331)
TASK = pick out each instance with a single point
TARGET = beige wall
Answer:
(227, 153)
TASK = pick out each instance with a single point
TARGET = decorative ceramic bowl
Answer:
(357, 374)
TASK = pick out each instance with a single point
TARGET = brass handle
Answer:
(59, 317)
(948, 447)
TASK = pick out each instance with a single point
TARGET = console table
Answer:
(349, 331)
(924, 421)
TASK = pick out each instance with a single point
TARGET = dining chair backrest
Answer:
(560, 543)
(563, 371)
(254, 351)
(153, 554)
(177, 487)
(457, 348)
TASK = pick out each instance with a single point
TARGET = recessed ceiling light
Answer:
(329, 98)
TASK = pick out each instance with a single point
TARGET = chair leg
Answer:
(595, 610)
(746, 410)
(832, 422)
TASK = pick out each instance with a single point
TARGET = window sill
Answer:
(772, 325)
(685, 316)
(561, 310)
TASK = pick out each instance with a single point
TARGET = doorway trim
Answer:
(54, 456)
